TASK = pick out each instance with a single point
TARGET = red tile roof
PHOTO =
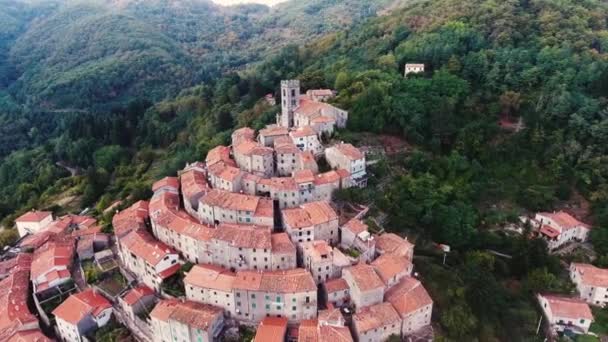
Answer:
(54, 256)
(335, 285)
(408, 296)
(170, 182)
(290, 281)
(210, 277)
(591, 275)
(364, 277)
(564, 220)
(349, 151)
(271, 329)
(375, 316)
(136, 294)
(34, 216)
(144, 246)
(281, 243)
(78, 306)
(132, 218)
(355, 226)
(194, 315)
(566, 307)
(273, 130)
(393, 243)
(193, 184)
(549, 231)
(244, 236)
(229, 200)
(166, 273)
(14, 293)
(312, 331)
(390, 265)
(219, 154)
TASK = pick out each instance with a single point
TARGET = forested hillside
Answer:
(487, 62)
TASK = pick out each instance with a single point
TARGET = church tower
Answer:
(290, 95)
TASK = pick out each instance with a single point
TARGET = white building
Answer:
(33, 221)
(137, 300)
(306, 139)
(291, 294)
(565, 313)
(81, 314)
(591, 283)
(413, 68)
(559, 228)
(311, 221)
(350, 158)
(223, 176)
(366, 287)
(254, 158)
(337, 292)
(150, 260)
(174, 320)
(323, 261)
(376, 323)
(412, 303)
(211, 284)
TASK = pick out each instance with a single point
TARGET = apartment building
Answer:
(223, 176)
(219, 206)
(337, 292)
(291, 294)
(51, 264)
(283, 255)
(211, 284)
(376, 323)
(349, 158)
(268, 135)
(287, 156)
(311, 221)
(391, 268)
(254, 158)
(81, 314)
(133, 218)
(150, 260)
(366, 287)
(242, 134)
(174, 320)
(219, 154)
(412, 303)
(323, 261)
(591, 283)
(242, 247)
(193, 181)
(306, 139)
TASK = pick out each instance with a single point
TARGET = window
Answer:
(278, 299)
(293, 308)
(253, 305)
(253, 296)
(267, 306)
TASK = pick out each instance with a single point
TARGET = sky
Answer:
(234, 2)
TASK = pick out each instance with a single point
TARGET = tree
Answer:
(458, 320)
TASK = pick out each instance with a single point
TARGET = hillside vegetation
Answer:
(544, 62)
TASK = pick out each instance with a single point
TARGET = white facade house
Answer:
(413, 68)
(566, 313)
(559, 228)
(311, 221)
(323, 261)
(591, 283)
(366, 287)
(412, 303)
(81, 314)
(187, 321)
(350, 158)
(376, 323)
(33, 221)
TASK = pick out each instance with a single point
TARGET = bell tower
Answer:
(290, 95)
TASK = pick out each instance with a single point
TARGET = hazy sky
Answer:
(234, 2)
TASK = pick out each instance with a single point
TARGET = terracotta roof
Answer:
(136, 294)
(168, 272)
(283, 147)
(564, 220)
(22, 261)
(244, 236)
(283, 184)
(265, 208)
(273, 130)
(364, 277)
(53, 256)
(566, 307)
(193, 183)
(36, 240)
(349, 151)
(229, 200)
(591, 275)
(32, 335)
(549, 231)
(407, 296)
(303, 131)
(225, 171)
(375, 316)
(312, 331)
(34, 216)
(131, 218)
(88, 302)
(317, 250)
(304, 176)
(281, 243)
(166, 213)
(296, 218)
(171, 182)
(243, 133)
(210, 277)
(192, 314)
(249, 147)
(289, 281)
(320, 212)
(355, 226)
(331, 316)
(334, 285)
(311, 108)
(389, 265)
(271, 329)
(144, 246)
(393, 243)
(327, 178)
(14, 312)
(219, 154)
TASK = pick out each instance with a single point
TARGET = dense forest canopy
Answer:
(155, 93)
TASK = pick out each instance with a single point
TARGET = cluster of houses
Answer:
(267, 248)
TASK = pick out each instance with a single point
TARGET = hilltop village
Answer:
(247, 237)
